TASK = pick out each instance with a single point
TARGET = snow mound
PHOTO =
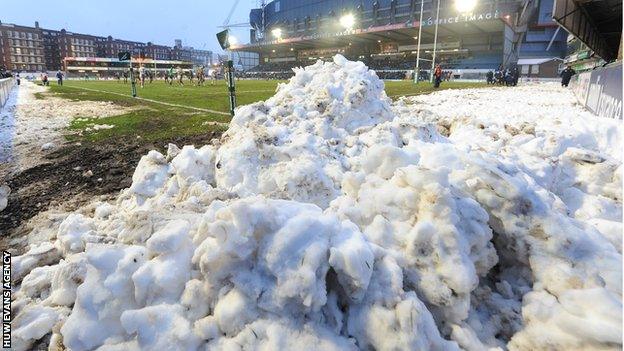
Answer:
(329, 217)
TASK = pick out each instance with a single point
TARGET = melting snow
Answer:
(29, 125)
(328, 217)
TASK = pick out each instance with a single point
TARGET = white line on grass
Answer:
(158, 102)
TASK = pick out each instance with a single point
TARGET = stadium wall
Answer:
(6, 85)
(600, 90)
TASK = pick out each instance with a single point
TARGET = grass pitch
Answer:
(177, 111)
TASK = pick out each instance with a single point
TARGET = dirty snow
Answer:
(328, 217)
(95, 127)
(5, 191)
(29, 125)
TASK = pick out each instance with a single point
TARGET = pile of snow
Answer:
(328, 217)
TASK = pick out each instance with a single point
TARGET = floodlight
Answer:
(277, 32)
(222, 37)
(347, 21)
(232, 40)
(465, 5)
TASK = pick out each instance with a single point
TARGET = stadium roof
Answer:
(399, 33)
(536, 61)
(597, 23)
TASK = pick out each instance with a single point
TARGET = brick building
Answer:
(179, 52)
(21, 48)
(52, 49)
(158, 52)
(113, 46)
(201, 57)
(26, 48)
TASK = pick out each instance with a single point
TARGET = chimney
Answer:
(37, 24)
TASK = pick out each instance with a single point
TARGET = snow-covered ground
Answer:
(29, 127)
(328, 217)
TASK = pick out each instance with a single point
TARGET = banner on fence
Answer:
(600, 90)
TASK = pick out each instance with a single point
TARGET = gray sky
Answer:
(160, 21)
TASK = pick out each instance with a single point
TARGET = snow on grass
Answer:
(328, 217)
(96, 127)
(30, 125)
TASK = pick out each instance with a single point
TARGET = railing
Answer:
(6, 85)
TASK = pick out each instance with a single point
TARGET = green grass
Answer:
(147, 120)
(154, 121)
(212, 97)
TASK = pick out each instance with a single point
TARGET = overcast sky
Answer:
(160, 21)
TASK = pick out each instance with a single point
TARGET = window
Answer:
(277, 6)
(29, 36)
(535, 69)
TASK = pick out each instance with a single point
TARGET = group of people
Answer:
(179, 74)
(503, 76)
(46, 81)
(144, 75)
(510, 76)
(5, 74)
(264, 75)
